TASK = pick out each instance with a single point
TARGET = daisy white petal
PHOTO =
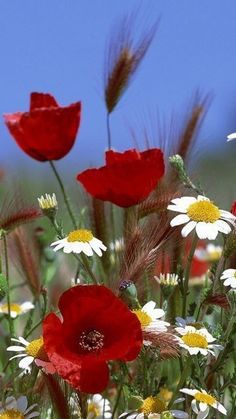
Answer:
(231, 137)
(15, 348)
(22, 403)
(201, 228)
(179, 219)
(188, 228)
(201, 214)
(79, 241)
(223, 227)
(176, 208)
(32, 415)
(26, 362)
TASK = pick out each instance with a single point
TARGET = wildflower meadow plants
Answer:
(123, 307)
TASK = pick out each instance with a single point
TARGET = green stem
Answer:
(86, 266)
(181, 382)
(118, 398)
(83, 401)
(187, 274)
(33, 328)
(66, 198)
(10, 321)
(219, 270)
(108, 131)
(226, 337)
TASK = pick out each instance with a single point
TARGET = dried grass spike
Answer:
(15, 212)
(166, 343)
(220, 300)
(192, 125)
(123, 59)
(26, 255)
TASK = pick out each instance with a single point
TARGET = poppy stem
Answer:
(108, 131)
(66, 198)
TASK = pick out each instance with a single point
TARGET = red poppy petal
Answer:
(113, 157)
(88, 377)
(93, 307)
(127, 179)
(42, 100)
(47, 133)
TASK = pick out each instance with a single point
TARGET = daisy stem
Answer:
(223, 353)
(219, 270)
(10, 320)
(187, 274)
(108, 131)
(116, 405)
(84, 263)
(83, 404)
(182, 380)
(66, 198)
(57, 396)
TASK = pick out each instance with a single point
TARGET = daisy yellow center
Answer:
(80, 236)
(205, 398)
(214, 255)
(13, 307)
(194, 340)
(152, 405)
(12, 414)
(165, 394)
(36, 349)
(143, 317)
(203, 211)
(93, 410)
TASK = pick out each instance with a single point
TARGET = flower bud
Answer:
(128, 293)
(48, 205)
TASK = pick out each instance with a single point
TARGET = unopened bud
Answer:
(48, 205)
(128, 292)
(167, 415)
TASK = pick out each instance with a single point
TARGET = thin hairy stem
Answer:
(187, 274)
(66, 198)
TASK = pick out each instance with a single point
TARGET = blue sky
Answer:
(58, 46)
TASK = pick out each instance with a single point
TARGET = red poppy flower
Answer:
(47, 131)
(97, 327)
(233, 208)
(127, 179)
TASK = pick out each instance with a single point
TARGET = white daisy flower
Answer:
(202, 401)
(48, 202)
(31, 352)
(16, 309)
(79, 241)
(149, 317)
(154, 408)
(17, 408)
(229, 278)
(231, 137)
(197, 340)
(210, 254)
(201, 214)
(167, 279)
(98, 407)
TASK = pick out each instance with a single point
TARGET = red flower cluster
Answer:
(97, 327)
(47, 131)
(127, 178)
